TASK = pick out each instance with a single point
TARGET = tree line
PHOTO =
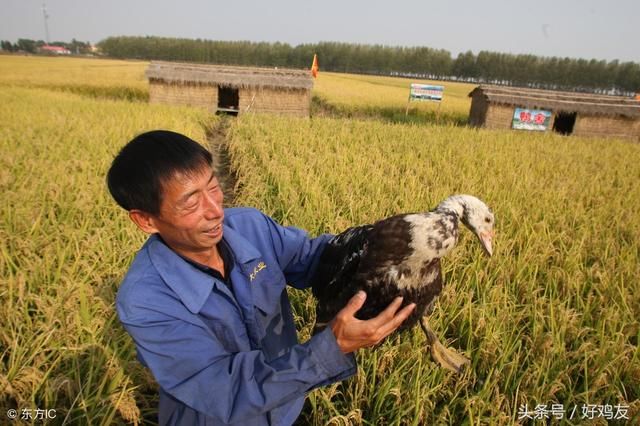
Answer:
(425, 62)
(26, 45)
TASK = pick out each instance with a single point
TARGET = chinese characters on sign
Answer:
(531, 119)
(425, 92)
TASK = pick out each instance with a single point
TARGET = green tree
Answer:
(26, 45)
(6, 45)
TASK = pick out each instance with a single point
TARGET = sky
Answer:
(590, 29)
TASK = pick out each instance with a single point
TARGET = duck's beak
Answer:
(486, 239)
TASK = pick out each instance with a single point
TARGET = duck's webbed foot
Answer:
(447, 358)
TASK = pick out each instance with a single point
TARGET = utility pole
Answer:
(46, 25)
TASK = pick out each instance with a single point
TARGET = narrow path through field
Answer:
(218, 145)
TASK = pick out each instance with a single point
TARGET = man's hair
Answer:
(148, 161)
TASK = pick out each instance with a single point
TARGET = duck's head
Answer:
(476, 216)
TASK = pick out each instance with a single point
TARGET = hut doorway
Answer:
(564, 122)
(228, 100)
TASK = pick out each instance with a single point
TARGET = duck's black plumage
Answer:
(397, 256)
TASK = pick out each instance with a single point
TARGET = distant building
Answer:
(580, 114)
(56, 50)
(231, 89)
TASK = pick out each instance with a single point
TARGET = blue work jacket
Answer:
(222, 356)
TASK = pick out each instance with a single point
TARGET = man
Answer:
(205, 302)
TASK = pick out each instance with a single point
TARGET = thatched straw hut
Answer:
(231, 89)
(570, 113)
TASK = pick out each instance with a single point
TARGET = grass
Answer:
(552, 318)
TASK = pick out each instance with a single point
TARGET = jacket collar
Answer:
(190, 284)
(243, 251)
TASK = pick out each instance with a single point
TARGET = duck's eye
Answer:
(487, 219)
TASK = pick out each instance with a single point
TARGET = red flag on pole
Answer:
(314, 66)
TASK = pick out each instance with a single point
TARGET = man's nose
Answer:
(213, 207)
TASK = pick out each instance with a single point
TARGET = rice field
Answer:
(64, 246)
(99, 78)
(551, 319)
(386, 98)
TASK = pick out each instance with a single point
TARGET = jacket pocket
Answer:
(267, 293)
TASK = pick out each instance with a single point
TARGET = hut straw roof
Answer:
(231, 76)
(590, 104)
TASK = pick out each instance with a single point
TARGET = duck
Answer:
(399, 256)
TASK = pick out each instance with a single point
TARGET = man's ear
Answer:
(143, 220)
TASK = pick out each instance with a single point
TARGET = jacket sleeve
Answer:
(297, 254)
(191, 364)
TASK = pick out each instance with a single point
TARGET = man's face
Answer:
(190, 219)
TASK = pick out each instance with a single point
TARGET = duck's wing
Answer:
(333, 279)
(339, 261)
